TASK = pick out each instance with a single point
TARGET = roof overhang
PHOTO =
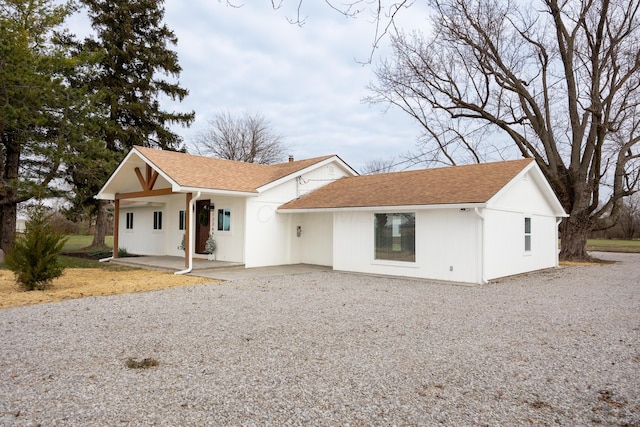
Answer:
(406, 208)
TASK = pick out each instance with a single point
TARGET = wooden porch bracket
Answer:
(150, 180)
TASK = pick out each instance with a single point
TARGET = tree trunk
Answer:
(573, 239)
(8, 214)
(100, 232)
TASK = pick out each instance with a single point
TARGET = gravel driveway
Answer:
(559, 347)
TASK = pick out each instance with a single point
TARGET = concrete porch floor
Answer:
(220, 270)
(172, 263)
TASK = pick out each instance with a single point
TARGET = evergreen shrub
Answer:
(34, 256)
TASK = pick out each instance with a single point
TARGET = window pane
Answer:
(527, 225)
(182, 220)
(527, 243)
(157, 220)
(224, 219)
(395, 236)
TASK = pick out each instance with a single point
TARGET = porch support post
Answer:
(187, 238)
(116, 227)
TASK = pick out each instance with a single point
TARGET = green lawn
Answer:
(613, 245)
(77, 243)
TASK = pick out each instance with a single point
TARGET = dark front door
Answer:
(203, 217)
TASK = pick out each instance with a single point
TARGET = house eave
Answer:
(216, 192)
(403, 208)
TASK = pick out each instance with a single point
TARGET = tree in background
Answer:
(559, 81)
(379, 166)
(248, 138)
(36, 103)
(132, 74)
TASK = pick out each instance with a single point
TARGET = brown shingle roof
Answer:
(459, 184)
(189, 170)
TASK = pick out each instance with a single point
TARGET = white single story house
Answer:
(469, 223)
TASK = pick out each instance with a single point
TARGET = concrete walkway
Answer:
(237, 273)
(220, 270)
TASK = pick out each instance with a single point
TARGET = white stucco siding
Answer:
(271, 236)
(229, 244)
(268, 238)
(505, 243)
(446, 245)
(142, 239)
(505, 230)
(315, 243)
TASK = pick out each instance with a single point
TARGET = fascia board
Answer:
(310, 168)
(101, 194)
(214, 191)
(405, 208)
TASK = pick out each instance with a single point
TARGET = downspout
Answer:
(192, 214)
(558, 221)
(482, 247)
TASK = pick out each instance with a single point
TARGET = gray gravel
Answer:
(555, 347)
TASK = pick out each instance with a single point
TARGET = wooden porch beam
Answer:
(116, 227)
(187, 237)
(146, 193)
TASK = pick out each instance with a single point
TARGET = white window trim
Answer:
(530, 234)
(215, 228)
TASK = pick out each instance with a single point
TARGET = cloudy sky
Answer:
(306, 80)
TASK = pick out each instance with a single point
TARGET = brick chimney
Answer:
(290, 158)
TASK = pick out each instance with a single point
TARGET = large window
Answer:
(527, 234)
(395, 236)
(129, 221)
(224, 219)
(157, 220)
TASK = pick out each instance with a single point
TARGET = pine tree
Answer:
(35, 103)
(134, 71)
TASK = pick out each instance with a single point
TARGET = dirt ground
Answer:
(85, 282)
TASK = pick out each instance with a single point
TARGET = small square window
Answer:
(157, 220)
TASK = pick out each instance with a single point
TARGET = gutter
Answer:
(558, 221)
(192, 204)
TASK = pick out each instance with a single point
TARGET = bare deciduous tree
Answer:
(379, 166)
(629, 221)
(559, 80)
(248, 138)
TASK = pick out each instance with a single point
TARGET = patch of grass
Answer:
(76, 262)
(603, 245)
(141, 364)
(76, 243)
